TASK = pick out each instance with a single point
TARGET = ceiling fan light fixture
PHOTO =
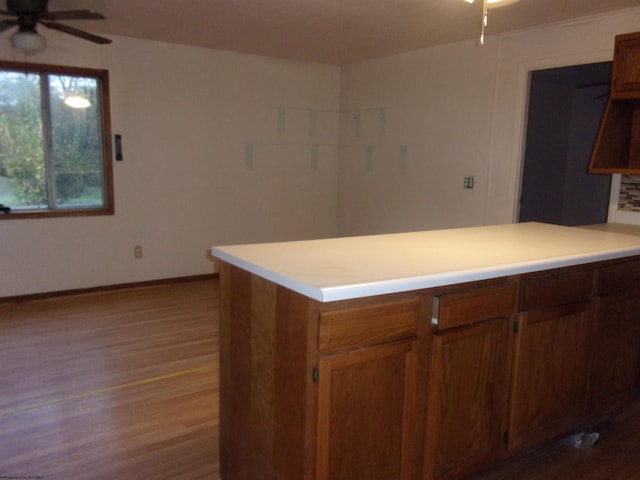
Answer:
(486, 5)
(496, 3)
(28, 14)
(28, 42)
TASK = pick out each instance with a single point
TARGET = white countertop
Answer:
(352, 267)
(626, 228)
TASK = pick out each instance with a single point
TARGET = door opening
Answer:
(566, 106)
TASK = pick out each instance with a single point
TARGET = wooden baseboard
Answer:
(77, 291)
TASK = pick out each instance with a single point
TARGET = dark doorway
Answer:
(565, 109)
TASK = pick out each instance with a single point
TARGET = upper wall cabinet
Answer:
(617, 148)
(626, 67)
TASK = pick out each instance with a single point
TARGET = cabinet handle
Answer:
(435, 311)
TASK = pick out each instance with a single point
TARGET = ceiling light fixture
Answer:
(28, 41)
(487, 4)
(496, 3)
(28, 14)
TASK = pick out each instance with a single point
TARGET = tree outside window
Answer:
(55, 154)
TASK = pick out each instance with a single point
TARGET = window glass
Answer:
(55, 155)
(22, 168)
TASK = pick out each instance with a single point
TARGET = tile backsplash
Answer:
(629, 198)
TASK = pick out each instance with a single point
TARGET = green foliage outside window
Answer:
(21, 142)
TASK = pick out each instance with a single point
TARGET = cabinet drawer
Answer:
(369, 325)
(463, 308)
(542, 291)
(622, 276)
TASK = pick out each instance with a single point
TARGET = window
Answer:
(55, 150)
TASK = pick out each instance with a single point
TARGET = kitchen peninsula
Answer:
(421, 355)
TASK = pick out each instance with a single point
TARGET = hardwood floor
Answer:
(615, 456)
(119, 384)
(124, 384)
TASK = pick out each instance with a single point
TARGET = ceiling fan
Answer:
(30, 13)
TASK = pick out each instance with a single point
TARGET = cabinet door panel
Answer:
(468, 398)
(549, 374)
(615, 361)
(626, 66)
(366, 415)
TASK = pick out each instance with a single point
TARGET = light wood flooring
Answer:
(615, 456)
(123, 384)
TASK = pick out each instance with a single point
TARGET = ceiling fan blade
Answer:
(72, 15)
(7, 24)
(77, 33)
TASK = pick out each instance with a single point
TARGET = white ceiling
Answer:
(325, 31)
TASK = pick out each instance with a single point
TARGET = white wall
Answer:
(188, 180)
(437, 106)
(460, 110)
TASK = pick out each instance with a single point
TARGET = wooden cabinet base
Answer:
(430, 384)
(267, 395)
(317, 391)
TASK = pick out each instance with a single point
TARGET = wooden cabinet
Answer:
(431, 384)
(626, 66)
(320, 391)
(615, 349)
(468, 390)
(550, 367)
(267, 392)
(370, 423)
(617, 148)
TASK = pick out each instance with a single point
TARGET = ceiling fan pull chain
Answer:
(485, 17)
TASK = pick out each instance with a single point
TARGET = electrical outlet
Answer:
(468, 182)
(137, 251)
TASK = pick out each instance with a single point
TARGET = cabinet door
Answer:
(626, 66)
(368, 421)
(467, 389)
(549, 380)
(615, 351)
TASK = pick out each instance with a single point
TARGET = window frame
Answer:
(107, 152)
